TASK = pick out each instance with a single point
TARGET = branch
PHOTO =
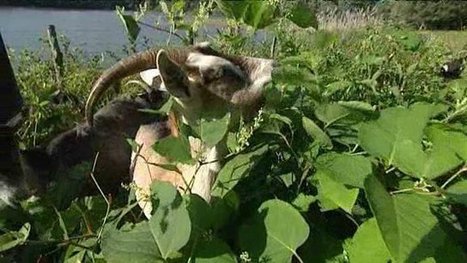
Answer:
(103, 196)
(463, 169)
(162, 30)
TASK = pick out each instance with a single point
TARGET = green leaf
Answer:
(336, 86)
(302, 202)
(316, 133)
(257, 14)
(267, 236)
(170, 223)
(330, 113)
(444, 136)
(409, 229)
(334, 191)
(397, 138)
(357, 105)
(156, 240)
(347, 169)
(213, 130)
(236, 169)
(367, 244)
(292, 75)
(303, 16)
(131, 26)
(458, 192)
(133, 144)
(200, 213)
(214, 251)
(135, 244)
(14, 238)
(175, 149)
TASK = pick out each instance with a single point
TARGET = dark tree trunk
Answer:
(10, 116)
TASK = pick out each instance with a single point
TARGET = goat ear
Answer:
(173, 77)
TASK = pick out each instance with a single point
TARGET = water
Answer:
(94, 31)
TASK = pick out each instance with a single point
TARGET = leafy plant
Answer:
(359, 154)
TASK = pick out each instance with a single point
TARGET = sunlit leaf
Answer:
(335, 191)
(408, 227)
(170, 223)
(14, 238)
(347, 169)
(367, 245)
(176, 149)
(213, 130)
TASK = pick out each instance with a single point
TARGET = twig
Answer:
(103, 196)
(64, 241)
(170, 32)
(273, 47)
(402, 191)
(463, 169)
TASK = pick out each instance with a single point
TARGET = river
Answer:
(94, 31)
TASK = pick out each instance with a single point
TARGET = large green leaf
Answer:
(367, 244)
(175, 149)
(135, 244)
(397, 138)
(170, 223)
(334, 191)
(213, 130)
(235, 169)
(274, 233)
(160, 238)
(409, 229)
(14, 238)
(347, 169)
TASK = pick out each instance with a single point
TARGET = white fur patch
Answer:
(204, 62)
(445, 68)
(7, 193)
(148, 77)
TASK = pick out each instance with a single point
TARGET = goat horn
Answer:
(128, 66)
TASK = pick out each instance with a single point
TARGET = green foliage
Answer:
(260, 14)
(278, 241)
(430, 14)
(358, 155)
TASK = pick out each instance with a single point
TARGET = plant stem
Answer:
(463, 169)
(103, 196)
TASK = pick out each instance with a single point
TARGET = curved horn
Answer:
(128, 66)
(125, 67)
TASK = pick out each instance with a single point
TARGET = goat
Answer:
(452, 69)
(113, 124)
(199, 79)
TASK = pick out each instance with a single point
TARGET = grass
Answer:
(454, 40)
